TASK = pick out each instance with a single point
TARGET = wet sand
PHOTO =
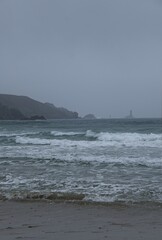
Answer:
(59, 221)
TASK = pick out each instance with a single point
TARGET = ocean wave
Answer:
(101, 139)
(60, 134)
(91, 134)
(33, 141)
(99, 186)
(83, 161)
(45, 155)
(11, 134)
(127, 139)
(17, 134)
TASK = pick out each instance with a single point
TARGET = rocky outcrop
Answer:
(29, 107)
(89, 116)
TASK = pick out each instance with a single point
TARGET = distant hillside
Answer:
(10, 113)
(29, 107)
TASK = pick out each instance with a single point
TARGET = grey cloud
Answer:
(87, 55)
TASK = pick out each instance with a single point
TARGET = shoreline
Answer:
(74, 198)
(60, 220)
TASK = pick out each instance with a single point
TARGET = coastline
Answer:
(60, 220)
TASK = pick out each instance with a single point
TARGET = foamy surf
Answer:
(101, 160)
(99, 139)
(60, 134)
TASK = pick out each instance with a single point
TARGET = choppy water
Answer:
(91, 160)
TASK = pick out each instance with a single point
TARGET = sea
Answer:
(90, 161)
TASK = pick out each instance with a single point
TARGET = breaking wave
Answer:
(98, 139)
(63, 161)
(59, 134)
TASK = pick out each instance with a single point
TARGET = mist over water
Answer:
(90, 160)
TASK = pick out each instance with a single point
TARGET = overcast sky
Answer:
(90, 56)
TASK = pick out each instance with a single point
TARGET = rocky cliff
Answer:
(28, 107)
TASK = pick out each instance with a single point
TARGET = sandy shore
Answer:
(59, 221)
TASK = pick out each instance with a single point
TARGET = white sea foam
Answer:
(127, 139)
(34, 141)
(59, 134)
(91, 134)
(105, 166)
(5, 134)
(114, 148)
(102, 139)
(10, 134)
(76, 154)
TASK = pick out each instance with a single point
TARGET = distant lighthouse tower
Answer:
(130, 116)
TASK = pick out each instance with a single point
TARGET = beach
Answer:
(59, 221)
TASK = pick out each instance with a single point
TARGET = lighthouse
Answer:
(130, 116)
